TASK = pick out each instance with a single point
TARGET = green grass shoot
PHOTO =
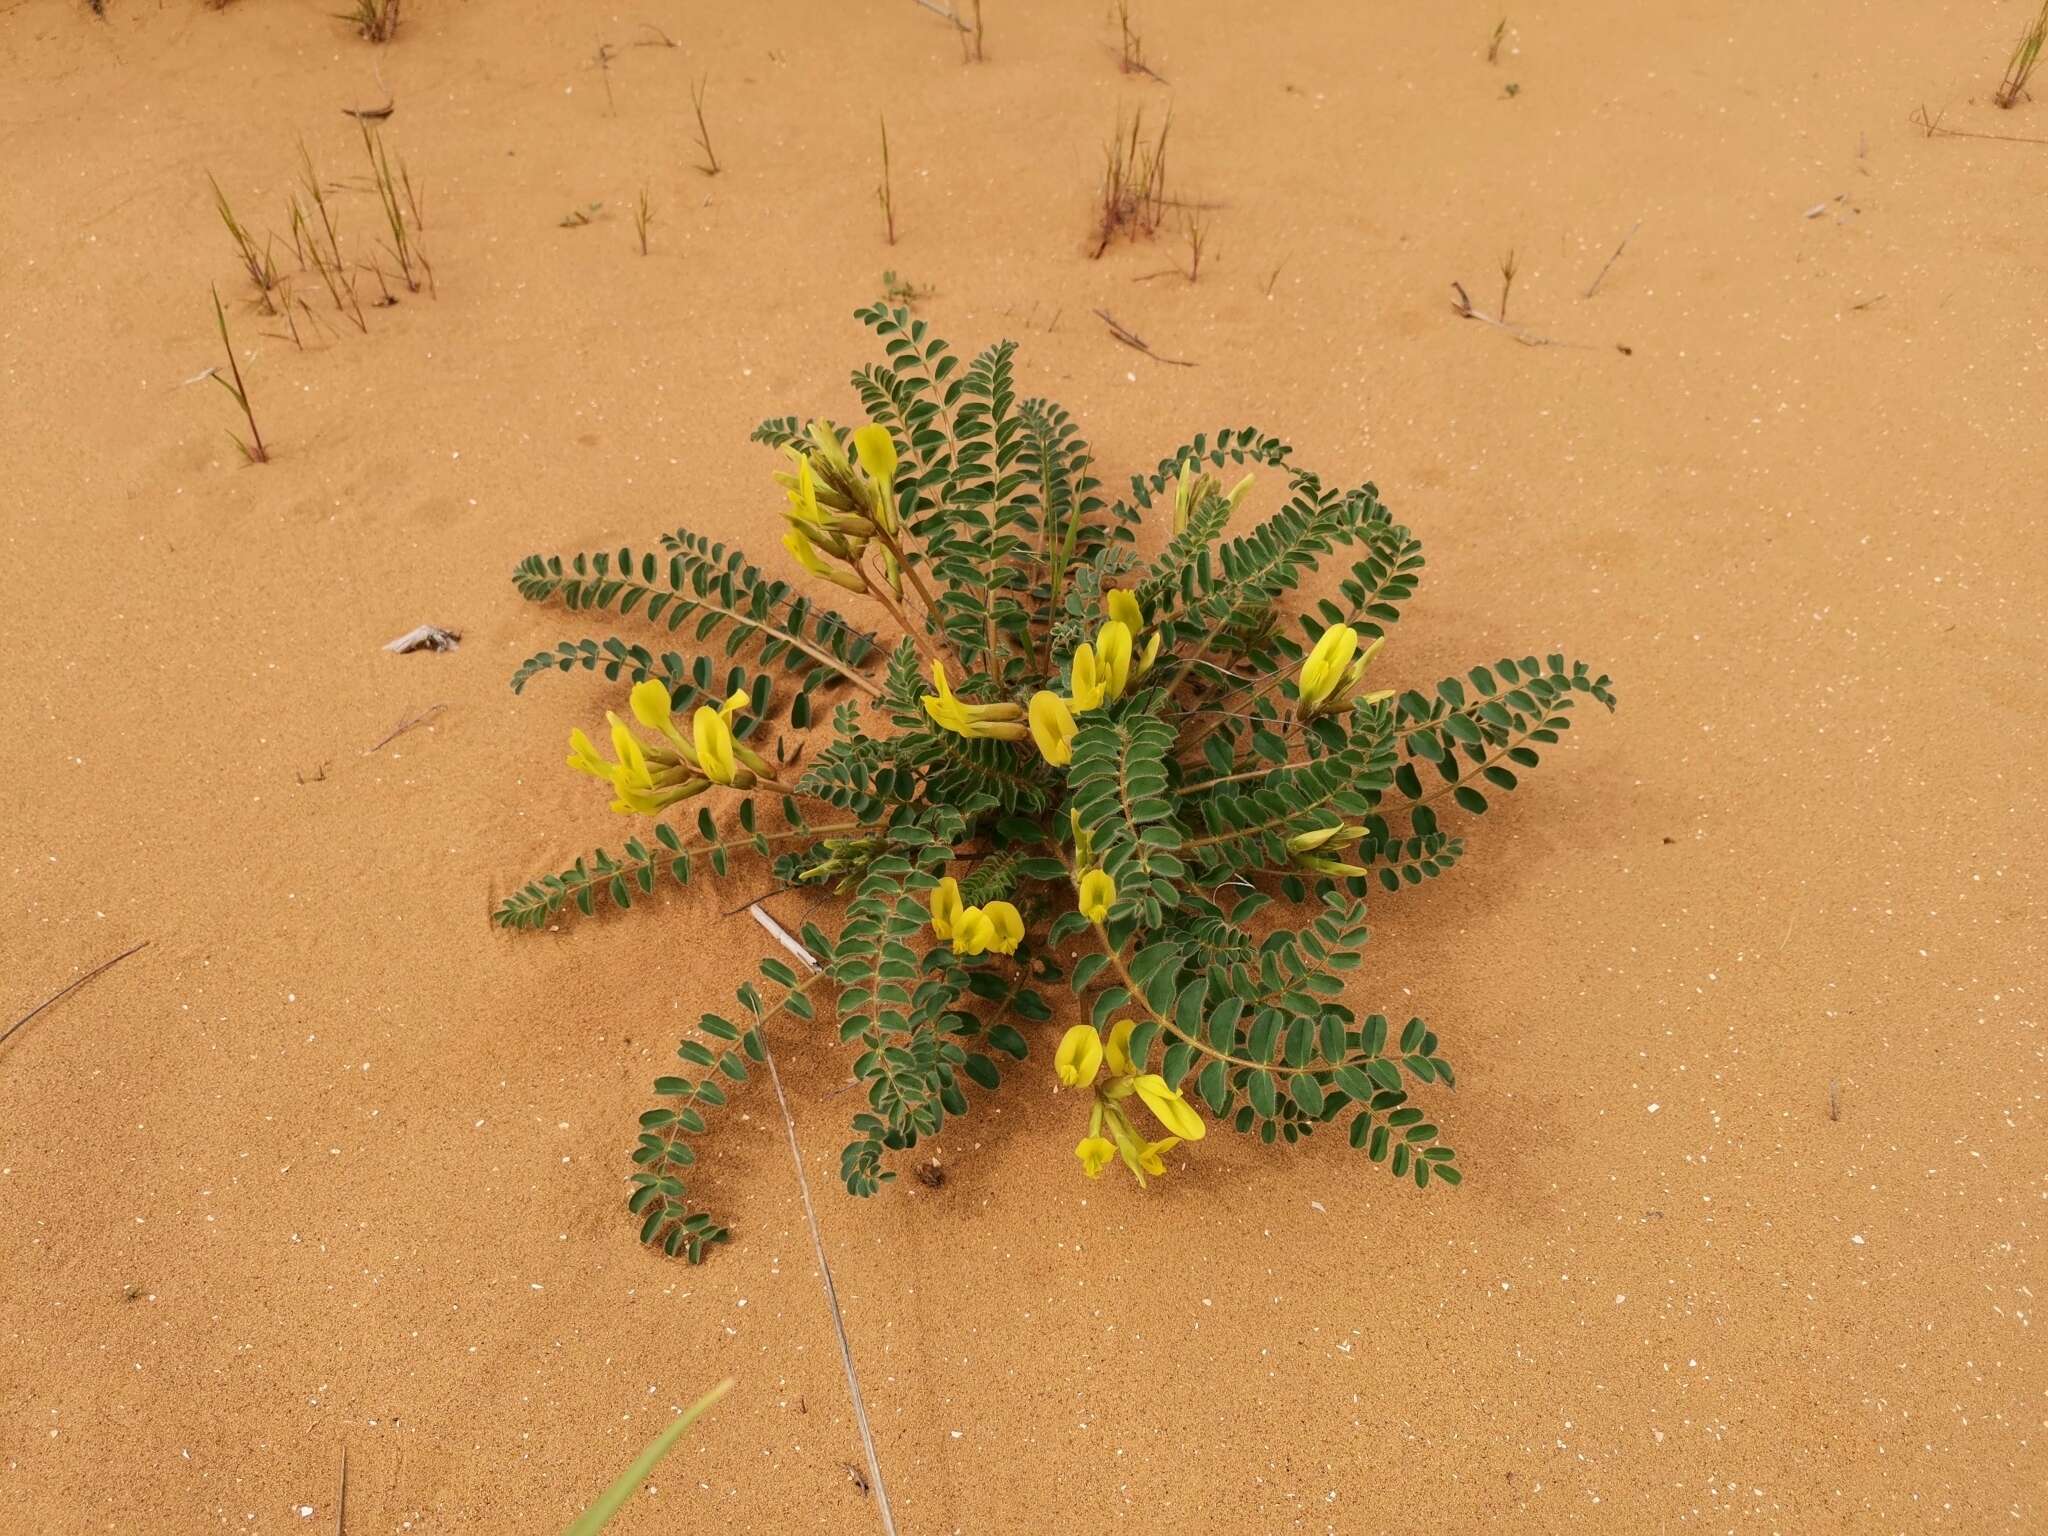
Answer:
(613, 1499)
(252, 448)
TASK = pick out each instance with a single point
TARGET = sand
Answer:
(333, 1163)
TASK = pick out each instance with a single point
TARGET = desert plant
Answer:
(613, 1499)
(252, 447)
(2026, 54)
(709, 166)
(885, 190)
(396, 197)
(1075, 764)
(1132, 199)
(374, 20)
(256, 260)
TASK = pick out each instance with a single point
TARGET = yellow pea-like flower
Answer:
(1152, 1157)
(1150, 654)
(1052, 727)
(1002, 722)
(711, 733)
(1098, 895)
(1169, 1108)
(1095, 1153)
(1006, 925)
(1079, 1057)
(583, 757)
(877, 453)
(946, 907)
(1118, 1052)
(1122, 606)
(799, 544)
(653, 708)
(973, 931)
(1087, 681)
(1113, 657)
(1325, 667)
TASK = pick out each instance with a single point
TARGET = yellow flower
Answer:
(1169, 1108)
(1087, 680)
(1152, 1158)
(1123, 607)
(1150, 654)
(1079, 1057)
(1098, 895)
(1095, 1153)
(973, 931)
(946, 907)
(1341, 835)
(1325, 667)
(584, 759)
(1008, 925)
(711, 730)
(877, 453)
(1118, 1051)
(1113, 657)
(1002, 722)
(1052, 727)
(798, 543)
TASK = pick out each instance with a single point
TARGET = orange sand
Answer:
(333, 1163)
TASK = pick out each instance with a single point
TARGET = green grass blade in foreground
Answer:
(613, 1499)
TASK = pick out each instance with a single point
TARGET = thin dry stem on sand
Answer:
(1132, 202)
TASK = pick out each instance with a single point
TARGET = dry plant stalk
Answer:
(1493, 43)
(2026, 54)
(885, 194)
(1133, 200)
(252, 450)
(710, 167)
(971, 37)
(1131, 47)
(643, 215)
(1507, 280)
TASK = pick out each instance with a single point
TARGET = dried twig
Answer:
(64, 992)
(410, 723)
(341, 1497)
(1131, 339)
(803, 1184)
(1601, 275)
(1834, 1098)
(1463, 306)
(1936, 129)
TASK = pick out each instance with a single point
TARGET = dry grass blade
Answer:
(1131, 47)
(1934, 128)
(2026, 54)
(885, 194)
(1601, 276)
(643, 215)
(63, 992)
(710, 167)
(253, 449)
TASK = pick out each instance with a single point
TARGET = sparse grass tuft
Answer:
(375, 20)
(256, 262)
(710, 165)
(643, 215)
(901, 290)
(329, 263)
(1194, 228)
(885, 194)
(1132, 202)
(1131, 47)
(396, 196)
(2026, 54)
(252, 450)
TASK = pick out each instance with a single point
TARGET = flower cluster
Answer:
(1079, 1062)
(836, 508)
(650, 777)
(995, 927)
